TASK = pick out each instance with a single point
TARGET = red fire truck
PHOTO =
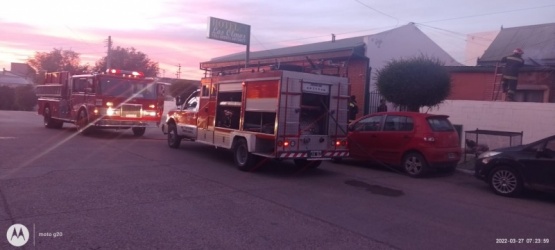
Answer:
(116, 99)
(266, 115)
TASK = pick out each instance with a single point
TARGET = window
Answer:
(550, 145)
(205, 90)
(529, 95)
(372, 123)
(439, 124)
(192, 104)
(398, 123)
(80, 84)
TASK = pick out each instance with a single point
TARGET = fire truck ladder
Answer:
(497, 83)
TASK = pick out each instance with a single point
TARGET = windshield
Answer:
(128, 88)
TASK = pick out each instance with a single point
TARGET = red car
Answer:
(417, 142)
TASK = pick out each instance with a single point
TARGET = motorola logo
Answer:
(17, 235)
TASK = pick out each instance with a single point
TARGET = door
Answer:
(206, 110)
(186, 118)
(364, 137)
(397, 133)
(78, 96)
(539, 165)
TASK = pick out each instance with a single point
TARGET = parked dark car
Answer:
(510, 170)
(417, 142)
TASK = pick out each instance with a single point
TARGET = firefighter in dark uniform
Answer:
(510, 73)
(353, 108)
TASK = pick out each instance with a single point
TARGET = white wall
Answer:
(536, 120)
(401, 43)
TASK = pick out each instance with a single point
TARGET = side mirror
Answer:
(179, 101)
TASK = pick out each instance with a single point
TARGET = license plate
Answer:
(315, 153)
(131, 116)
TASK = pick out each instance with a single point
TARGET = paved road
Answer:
(113, 191)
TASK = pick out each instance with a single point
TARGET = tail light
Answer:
(286, 143)
(341, 142)
(429, 138)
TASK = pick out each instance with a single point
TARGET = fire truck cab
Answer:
(266, 115)
(116, 99)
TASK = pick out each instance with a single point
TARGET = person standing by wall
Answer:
(510, 73)
(382, 107)
(353, 108)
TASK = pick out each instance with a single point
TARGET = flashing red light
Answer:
(285, 143)
(125, 73)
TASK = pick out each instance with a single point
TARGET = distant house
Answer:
(357, 58)
(20, 74)
(536, 78)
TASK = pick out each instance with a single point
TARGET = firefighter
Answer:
(510, 73)
(353, 108)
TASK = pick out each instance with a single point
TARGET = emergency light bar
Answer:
(125, 73)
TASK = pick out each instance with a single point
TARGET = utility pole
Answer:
(178, 71)
(108, 56)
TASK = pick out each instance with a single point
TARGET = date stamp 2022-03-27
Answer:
(522, 241)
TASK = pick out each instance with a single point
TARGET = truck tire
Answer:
(304, 163)
(83, 123)
(138, 131)
(174, 140)
(244, 160)
(49, 122)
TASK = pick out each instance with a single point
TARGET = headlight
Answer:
(488, 154)
(110, 111)
(149, 113)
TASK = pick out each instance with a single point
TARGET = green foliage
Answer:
(7, 98)
(18, 98)
(414, 83)
(129, 59)
(57, 60)
(183, 88)
(25, 97)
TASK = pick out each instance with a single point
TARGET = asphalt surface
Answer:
(112, 190)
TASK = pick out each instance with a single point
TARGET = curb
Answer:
(466, 171)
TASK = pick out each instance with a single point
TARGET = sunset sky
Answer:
(173, 32)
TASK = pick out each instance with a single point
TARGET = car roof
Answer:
(406, 113)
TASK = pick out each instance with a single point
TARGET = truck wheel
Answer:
(82, 122)
(138, 131)
(50, 122)
(303, 163)
(244, 160)
(415, 165)
(173, 138)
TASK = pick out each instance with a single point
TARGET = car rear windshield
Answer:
(439, 124)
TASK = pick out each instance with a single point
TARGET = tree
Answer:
(25, 97)
(58, 60)
(128, 59)
(417, 82)
(7, 98)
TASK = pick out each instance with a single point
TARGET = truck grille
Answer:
(131, 110)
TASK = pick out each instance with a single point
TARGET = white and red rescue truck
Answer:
(266, 115)
(117, 99)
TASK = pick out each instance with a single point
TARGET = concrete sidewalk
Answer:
(467, 165)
